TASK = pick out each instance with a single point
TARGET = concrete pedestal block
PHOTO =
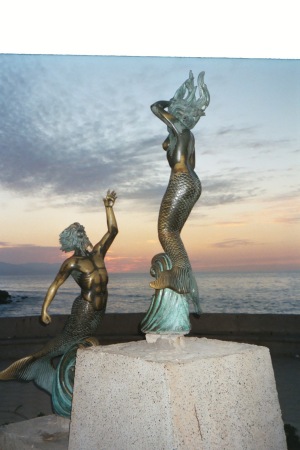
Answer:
(175, 394)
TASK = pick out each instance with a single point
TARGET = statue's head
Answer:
(185, 106)
(74, 238)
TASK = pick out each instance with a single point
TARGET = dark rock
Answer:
(5, 297)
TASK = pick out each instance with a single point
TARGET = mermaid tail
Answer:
(181, 281)
(169, 311)
(31, 368)
(63, 382)
(38, 367)
(176, 279)
(182, 192)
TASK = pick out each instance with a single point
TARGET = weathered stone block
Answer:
(176, 393)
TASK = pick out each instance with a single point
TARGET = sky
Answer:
(72, 127)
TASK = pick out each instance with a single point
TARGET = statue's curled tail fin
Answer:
(180, 280)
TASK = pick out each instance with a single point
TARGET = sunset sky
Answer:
(72, 127)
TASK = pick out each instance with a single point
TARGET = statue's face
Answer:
(81, 232)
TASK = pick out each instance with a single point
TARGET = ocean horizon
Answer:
(220, 292)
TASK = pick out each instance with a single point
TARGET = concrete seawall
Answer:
(280, 333)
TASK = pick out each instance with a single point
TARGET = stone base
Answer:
(48, 432)
(177, 393)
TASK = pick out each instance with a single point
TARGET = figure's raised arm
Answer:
(158, 108)
(112, 227)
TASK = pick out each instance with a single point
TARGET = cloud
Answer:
(233, 130)
(68, 131)
(224, 189)
(236, 223)
(288, 220)
(127, 264)
(30, 253)
(233, 243)
(73, 127)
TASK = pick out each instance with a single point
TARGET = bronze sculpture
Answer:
(87, 268)
(175, 284)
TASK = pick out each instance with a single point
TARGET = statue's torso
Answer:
(181, 153)
(91, 275)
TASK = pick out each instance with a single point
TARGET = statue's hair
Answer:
(184, 105)
(70, 241)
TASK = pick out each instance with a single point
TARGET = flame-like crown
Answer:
(185, 106)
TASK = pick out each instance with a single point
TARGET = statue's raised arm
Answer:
(181, 114)
(112, 227)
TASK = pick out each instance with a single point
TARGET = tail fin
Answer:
(180, 280)
(175, 279)
(18, 370)
(38, 369)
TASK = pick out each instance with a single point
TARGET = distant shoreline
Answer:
(28, 269)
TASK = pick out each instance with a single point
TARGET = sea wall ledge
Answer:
(279, 332)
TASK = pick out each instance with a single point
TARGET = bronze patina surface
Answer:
(175, 284)
(87, 267)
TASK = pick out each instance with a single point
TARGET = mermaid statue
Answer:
(87, 267)
(175, 285)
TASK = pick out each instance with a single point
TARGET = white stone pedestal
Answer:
(175, 394)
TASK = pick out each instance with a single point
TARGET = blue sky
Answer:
(72, 127)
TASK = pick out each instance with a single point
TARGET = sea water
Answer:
(261, 292)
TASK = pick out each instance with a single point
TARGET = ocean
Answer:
(260, 292)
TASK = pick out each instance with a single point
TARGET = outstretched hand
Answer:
(110, 198)
(45, 318)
